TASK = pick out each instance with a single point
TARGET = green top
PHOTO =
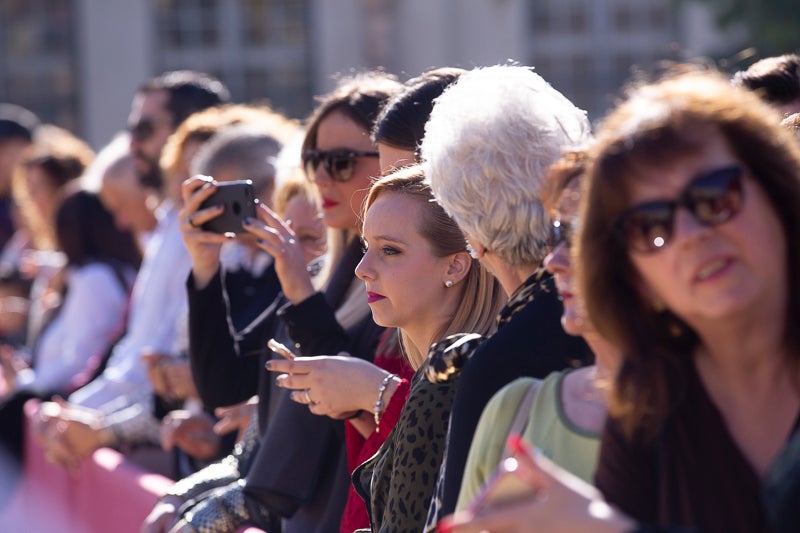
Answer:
(547, 428)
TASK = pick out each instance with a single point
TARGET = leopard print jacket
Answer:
(398, 481)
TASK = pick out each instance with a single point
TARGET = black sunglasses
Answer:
(339, 163)
(560, 231)
(143, 130)
(712, 198)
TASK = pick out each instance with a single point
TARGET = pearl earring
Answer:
(448, 283)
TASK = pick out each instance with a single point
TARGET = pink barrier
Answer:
(107, 493)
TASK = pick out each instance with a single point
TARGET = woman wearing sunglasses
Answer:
(689, 262)
(693, 272)
(563, 414)
(298, 477)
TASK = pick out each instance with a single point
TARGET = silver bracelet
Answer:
(378, 411)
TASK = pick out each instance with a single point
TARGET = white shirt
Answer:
(89, 317)
(157, 303)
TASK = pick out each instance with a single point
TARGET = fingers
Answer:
(293, 381)
(235, 417)
(226, 424)
(190, 187)
(194, 221)
(303, 396)
(274, 235)
(197, 190)
(528, 468)
(288, 366)
(503, 519)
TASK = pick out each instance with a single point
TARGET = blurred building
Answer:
(77, 63)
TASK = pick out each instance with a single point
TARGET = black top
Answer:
(300, 469)
(693, 474)
(221, 375)
(529, 342)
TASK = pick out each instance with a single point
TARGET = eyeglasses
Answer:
(145, 128)
(561, 231)
(339, 164)
(712, 198)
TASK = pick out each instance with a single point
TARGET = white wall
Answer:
(114, 58)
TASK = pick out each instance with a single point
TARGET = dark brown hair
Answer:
(657, 125)
(360, 97)
(86, 233)
(775, 79)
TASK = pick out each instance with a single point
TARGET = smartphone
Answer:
(239, 200)
(280, 349)
(503, 487)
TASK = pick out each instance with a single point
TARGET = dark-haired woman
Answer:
(101, 263)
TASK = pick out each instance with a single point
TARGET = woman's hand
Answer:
(10, 365)
(332, 385)
(235, 417)
(561, 502)
(203, 246)
(70, 433)
(192, 433)
(278, 239)
(163, 516)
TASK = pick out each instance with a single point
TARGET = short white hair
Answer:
(488, 144)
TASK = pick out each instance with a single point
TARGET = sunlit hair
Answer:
(792, 123)
(293, 187)
(489, 141)
(360, 98)
(246, 151)
(61, 157)
(658, 126)
(482, 297)
(561, 174)
(200, 126)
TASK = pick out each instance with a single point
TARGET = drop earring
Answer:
(473, 253)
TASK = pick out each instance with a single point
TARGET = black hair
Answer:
(17, 122)
(775, 79)
(401, 122)
(189, 91)
(86, 232)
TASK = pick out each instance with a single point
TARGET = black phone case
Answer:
(239, 200)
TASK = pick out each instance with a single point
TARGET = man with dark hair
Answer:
(159, 106)
(17, 129)
(776, 79)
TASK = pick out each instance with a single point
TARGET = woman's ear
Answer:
(458, 267)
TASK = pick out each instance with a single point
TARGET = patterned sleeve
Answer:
(221, 473)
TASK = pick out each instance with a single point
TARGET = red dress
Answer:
(389, 357)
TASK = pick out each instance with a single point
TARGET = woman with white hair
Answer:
(485, 163)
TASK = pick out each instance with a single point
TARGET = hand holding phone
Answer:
(505, 486)
(239, 201)
(280, 349)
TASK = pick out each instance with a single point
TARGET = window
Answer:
(37, 63)
(187, 23)
(623, 18)
(258, 47)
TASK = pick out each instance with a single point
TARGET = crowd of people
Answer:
(455, 305)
